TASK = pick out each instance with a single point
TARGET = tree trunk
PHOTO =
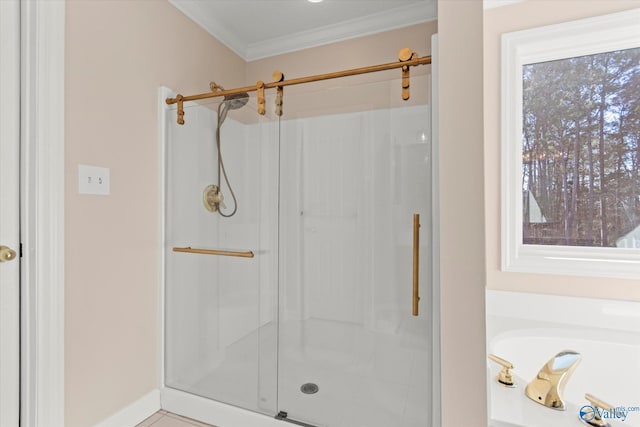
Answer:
(601, 148)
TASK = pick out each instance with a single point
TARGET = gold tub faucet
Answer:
(548, 386)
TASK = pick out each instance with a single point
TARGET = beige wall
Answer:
(355, 53)
(521, 16)
(117, 55)
(462, 240)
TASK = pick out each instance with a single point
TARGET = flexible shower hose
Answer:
(222, 169)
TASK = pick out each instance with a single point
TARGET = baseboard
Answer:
(135, 413)
(212, 412)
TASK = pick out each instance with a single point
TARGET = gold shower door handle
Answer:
(416, 263)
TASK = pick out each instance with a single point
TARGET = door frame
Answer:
(10, 212)
(42, 213)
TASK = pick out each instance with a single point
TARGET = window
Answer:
(571, 147)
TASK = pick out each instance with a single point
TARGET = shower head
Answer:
(231, 102)
(237, 100)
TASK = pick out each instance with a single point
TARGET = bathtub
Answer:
(529, 329)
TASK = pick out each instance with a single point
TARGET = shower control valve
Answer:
(212, 198)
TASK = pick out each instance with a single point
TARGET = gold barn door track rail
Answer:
(190, 250)
(406, 59)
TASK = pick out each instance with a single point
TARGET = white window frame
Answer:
(571, 39)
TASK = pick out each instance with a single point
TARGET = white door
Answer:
(9, 212)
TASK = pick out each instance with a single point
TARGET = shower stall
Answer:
(300, 307)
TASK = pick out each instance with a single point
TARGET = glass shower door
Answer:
(220, 311)
(350, 351)
(316, 327)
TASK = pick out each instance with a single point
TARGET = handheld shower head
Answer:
(213, 195)
(231, 102)
(237, 100)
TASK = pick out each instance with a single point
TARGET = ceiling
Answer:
(257, 29)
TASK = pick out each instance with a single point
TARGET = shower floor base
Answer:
(364, 378)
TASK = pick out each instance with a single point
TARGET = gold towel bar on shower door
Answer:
(247, 254)
(416, 263)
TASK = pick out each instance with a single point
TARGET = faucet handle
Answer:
(590, 415)
(597, 403)
(504, 377)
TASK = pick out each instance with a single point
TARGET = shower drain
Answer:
(309, 388)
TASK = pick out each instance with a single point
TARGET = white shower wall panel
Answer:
(351, 183)
(332, 153)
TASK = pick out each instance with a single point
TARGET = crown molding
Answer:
(366, 25)
(371, 24)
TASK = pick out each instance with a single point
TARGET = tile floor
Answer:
(167, 419)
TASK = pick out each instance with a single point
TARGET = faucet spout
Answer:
(548, 386)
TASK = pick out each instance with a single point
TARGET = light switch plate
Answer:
(93, 180)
